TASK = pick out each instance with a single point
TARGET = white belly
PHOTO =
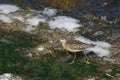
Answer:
(74, 51)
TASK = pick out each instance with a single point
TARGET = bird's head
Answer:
(63, 40)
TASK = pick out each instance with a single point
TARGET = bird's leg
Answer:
(87, 58)
(68, 55)
(52, 53)
(73, 59)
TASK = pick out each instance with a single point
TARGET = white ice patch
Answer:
(101, 48)
(84, 40)
(35, 21)
(5, 18)
(20, 18)
(9, 76)
(6, 8)
(102, 44)
(109, 59)
(40, 48)
(98, 51)
(6, 76)
(61, 22)
(64, 22)
(49, 12)
(93, 78)
(98, 33)
(97, 43)
(29, 29)
(28, 16)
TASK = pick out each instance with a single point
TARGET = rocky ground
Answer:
(45, 41)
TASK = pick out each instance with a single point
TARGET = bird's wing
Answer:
(74, 44)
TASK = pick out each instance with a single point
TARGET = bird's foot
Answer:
(71, 62)
(87, 62)
(52, 53)
(73, 59)
(87, 59)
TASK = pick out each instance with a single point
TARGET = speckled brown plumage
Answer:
(74, 45)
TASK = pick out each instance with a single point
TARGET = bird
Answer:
(75, 46)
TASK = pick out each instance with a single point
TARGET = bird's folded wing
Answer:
(78, 45)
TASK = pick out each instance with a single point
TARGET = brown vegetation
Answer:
(64, 4)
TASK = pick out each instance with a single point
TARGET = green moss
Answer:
(46, 68)
(116, 69)
(21, 39)
(42, 25)
(21, 5)
(9, 58)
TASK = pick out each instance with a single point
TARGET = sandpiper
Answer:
(75, 46)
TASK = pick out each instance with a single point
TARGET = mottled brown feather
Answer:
(74, 44)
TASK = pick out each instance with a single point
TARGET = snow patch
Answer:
(5, 18)
(6, 8)
(61, 22)
(49, 12)
(93, 78)
(9, 76)
(98, 51)
(40, 48)
(101, 48)
(97, 43)
(20, 18)
(35, 21)
(83, 39)
(109, 59)
(64, 22)
(102, 44)
(29, 29)
(98, 33)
